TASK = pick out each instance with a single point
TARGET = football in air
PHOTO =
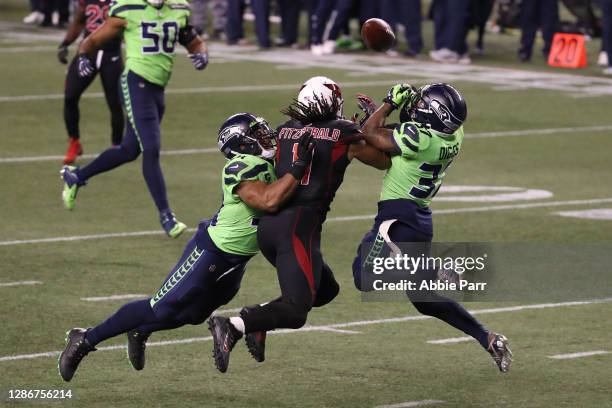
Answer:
(377, 35)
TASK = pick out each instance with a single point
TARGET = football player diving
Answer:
(422, 147)
(150, 30)
(290, 239)
(209, 272)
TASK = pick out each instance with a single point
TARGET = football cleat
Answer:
(71, 186)
(170, 224)
(77, 347)
(74, 149)
(256, 341)
(225, 336)
(500, 351)
(137, 343)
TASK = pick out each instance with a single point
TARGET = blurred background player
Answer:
(606, 8)
(422, 147)
(89, 15)
(209, 273)
(150, 30)
(199, 17)
(408, 13)
(290, 239)
(537, 14)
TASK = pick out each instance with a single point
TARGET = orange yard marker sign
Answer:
(567, 51)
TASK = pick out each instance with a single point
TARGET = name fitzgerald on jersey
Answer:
(317, 133)
(448, 152)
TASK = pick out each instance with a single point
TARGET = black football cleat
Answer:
(500, 351)
(256, 341)
(77, 347)
(225, 336)
(137, 343)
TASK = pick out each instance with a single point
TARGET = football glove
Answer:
(398, 95)
(367, 105)
(85, 67)
(62, 53)
(303, 156)
(199, 60)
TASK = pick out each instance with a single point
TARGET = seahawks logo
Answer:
(445, 115)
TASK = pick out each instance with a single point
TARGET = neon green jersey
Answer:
(417, 173)
(234, 228)
(151, 36)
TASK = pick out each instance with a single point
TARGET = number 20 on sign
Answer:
(568, 51)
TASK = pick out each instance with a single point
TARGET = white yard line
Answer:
(208, 150)
(451, 340)
(409, 404)
(113, 297)
(19, 283)
(334, 326)
(579, 355)
(331, 219)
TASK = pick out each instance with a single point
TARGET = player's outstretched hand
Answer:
(303, 156)
(62, 53)
(367, 105)
(85, 67)
(199, 60)
(398, 95)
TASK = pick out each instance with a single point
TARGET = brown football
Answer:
(377, 35)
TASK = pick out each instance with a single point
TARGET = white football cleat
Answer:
(35, 17)
(316, 49)
(329, 47)
(602, 59)
(500, 351)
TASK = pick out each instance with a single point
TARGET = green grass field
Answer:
(521, 133)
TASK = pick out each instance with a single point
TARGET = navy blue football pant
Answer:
(110, 68)
(606, 8)
(407, 12)
(261, 10)
(143, 103)
(290, 240)
(451, 19)
(203, 279)
(321, 11)
(414, 225)
(290, 15)
(536, 14)
(234, 27)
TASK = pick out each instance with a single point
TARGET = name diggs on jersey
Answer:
(448, 152)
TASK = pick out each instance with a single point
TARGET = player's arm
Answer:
(195, 45)
(271, 197)
(267, 197)
(374, 132)
(369, 155)
(112, 28)
(74, 31)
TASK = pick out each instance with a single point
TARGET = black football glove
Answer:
(62, 53)
(199, 60)
(84, 65)
(303, 156)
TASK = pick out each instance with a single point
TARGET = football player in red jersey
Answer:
(88, 16)
(290, 239)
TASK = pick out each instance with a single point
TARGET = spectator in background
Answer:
(451, 22)
(543, 14)
(480, 12)
(261, 10)
(36, 16)
(289, 11)
(56, 12)
(606, 7)
(321, 11)
(367, 9)
(234, 26)
(408, 13)
(199, 17)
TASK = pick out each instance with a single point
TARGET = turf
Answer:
(383, 363)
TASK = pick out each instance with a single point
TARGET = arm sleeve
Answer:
(408, 140)
(186, 35)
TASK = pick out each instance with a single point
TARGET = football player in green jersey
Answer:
(150, 30)
(209, 273)
(422, 147)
